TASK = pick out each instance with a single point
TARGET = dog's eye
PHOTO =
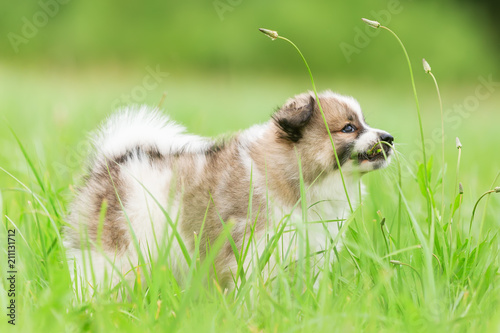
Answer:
(349, 128)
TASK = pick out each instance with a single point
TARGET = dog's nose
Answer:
(387, 138)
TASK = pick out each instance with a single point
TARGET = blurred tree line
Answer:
(222, 35)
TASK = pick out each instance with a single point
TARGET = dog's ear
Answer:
(293, 117)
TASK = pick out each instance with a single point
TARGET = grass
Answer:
(378, 282)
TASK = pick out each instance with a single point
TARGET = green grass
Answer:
(379, 282)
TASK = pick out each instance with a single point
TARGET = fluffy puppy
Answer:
(150, 181)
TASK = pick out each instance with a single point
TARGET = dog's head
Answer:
(359, 147)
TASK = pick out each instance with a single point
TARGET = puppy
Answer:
(150, 183)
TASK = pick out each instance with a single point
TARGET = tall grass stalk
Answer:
(428, 70)
(469, 252)
(457, 203)
(495, 190)
(486, 204)
(274, 35)
(430, 296)
(376, 24)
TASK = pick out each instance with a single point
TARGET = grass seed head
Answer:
(373, 24)
(459, 144)
(270, 33)
(427, 67)
(497, 189)
(460, 188)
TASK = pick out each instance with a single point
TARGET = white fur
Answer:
(143, 126)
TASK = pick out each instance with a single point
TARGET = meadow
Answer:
(412, 259)
(381, 282)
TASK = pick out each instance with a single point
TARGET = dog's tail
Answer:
(142, 127)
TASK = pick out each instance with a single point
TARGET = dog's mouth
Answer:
(379, 151)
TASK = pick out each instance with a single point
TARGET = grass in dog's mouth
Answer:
(377, 151)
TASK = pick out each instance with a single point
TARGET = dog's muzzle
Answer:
(379, 151)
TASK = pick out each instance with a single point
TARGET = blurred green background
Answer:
(456, 36)
(66, 64)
